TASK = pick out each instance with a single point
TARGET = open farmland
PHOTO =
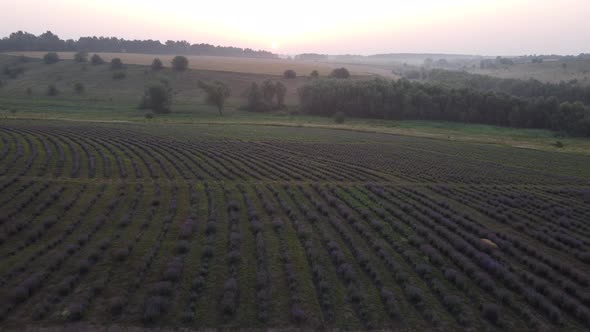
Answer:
(233, 64)
(204, 226)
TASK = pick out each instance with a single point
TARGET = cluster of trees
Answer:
(340, 73)
(96, 60)
(565, 91)
(157, 97)
(440, 63)
(266, 97)
(51, 58)
(179, 63)
(290, 74)
(495, 63)
(402, 99)
(24, 41)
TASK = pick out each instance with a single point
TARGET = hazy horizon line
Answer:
(386, 53)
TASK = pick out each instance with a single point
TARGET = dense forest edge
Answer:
(564, 91)
(406, 100)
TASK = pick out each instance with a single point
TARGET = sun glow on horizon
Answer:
(330, 26)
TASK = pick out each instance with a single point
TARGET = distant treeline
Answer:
(405, 100)
(24, 41)
(564, 91)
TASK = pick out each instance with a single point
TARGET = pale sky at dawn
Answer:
(499, 27)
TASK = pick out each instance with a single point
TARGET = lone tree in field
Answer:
(217, 92)
(116, 64)
(51, 58)
(314, 74)
(81, 56)
(180, 63)
(289, 73)
(157, 98)
(281, 91)
(340, 73)
(96, 60)
(157, 64)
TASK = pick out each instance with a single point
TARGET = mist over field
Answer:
(335, 165)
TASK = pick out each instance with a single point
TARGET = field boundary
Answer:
(395, 131)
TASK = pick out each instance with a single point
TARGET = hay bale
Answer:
(489, 243)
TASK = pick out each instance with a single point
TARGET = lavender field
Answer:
(182, 226)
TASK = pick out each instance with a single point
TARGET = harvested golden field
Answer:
(232, 64)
